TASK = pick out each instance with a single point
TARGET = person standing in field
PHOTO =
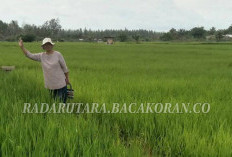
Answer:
(55, 71)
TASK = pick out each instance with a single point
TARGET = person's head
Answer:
(47, 44)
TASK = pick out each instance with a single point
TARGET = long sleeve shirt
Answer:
(53, 66)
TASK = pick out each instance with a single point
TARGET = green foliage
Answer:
(212, 31)
(198, 32)
(136, 37)
(219, 35)
(28, 37)
(166, 37)
(52, 28)
(123, 73)
(122, 37)
(173, 34)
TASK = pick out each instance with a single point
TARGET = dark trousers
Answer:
(60, 94)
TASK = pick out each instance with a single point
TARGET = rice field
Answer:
(122, 73)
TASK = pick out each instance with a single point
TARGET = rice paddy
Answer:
(120, 73)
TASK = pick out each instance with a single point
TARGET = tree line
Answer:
(52, 28)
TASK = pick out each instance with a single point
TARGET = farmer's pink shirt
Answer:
(54, 67)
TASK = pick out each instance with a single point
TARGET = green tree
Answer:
(228, 30)
(212, 31)
(219, 35)
(173, 33)
(28, 37)
(3, 30)
(198, 32)
(13, 28)
(182, 34)
(51, 28)
(166, 36)
(136, 38)
(122, 37)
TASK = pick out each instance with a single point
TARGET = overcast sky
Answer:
(158, 15)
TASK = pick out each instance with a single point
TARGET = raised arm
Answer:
(35, 57)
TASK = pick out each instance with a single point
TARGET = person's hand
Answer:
(20, 42)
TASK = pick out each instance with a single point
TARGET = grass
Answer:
(123, 73)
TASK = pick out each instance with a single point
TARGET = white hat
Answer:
(47, 40)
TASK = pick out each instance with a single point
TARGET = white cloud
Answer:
(159, 15)
(213, 12)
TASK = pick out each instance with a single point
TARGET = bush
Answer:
(122, 37)
(61, 40)
(166, 37)
(28, 37)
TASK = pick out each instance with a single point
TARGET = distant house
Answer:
(227, 36)
(210, 37)
(109, 40)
